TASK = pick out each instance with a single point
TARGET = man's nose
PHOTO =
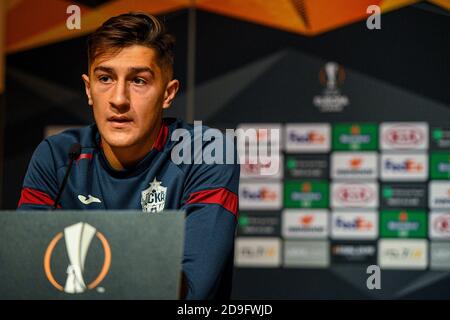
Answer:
(120, 96)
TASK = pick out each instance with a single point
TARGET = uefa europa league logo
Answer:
(331, 69)
(331, 76)
(78, 238)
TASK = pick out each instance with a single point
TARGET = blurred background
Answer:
(368, 85)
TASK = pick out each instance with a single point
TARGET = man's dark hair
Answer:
(133, 28)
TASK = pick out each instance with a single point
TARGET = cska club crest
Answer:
(153, 198)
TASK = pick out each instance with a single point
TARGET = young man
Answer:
(125, 160)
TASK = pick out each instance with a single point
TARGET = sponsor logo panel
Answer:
(304, 223)
(404, 136)
(259, 223)
(440, 165)
(257, 252)
(308, 137)
(440, 138)
(439, 194)
(264, 133)
(254, 168)
(439, 226)
(404, 195)
(403, 224)
(306, 254)
(440, 255)
(354, 165)
(355, 137)
(363, 252)
(404, 166)
(306, 194)
(260, 195)
(361, 224)
(354, 195)
(306, 166)
(403, 254)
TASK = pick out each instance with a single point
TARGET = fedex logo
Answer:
(308, 137)
(358, 223)
(263, 194)
(260, 195)
(361, 224)
(404, 167)
(409, 165)
(311, 137)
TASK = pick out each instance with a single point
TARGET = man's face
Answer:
(128, 92)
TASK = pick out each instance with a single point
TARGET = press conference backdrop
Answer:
(364, 116)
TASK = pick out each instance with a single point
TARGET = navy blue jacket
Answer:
(207, 193)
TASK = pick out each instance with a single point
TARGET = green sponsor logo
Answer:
(243, 221)
(387, 192)
(440, 165)
(291, 163)
(403, 224)
(306, 194)
(355, 137)
(437, 134)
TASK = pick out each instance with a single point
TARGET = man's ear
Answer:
(87, 87)
(170, 93)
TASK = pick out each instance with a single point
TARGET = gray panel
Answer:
(307, 254)
(146, 254)
(440, 255)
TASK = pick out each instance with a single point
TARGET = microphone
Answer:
(74, 153)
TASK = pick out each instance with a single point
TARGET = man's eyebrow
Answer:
(104, 69)
(131, 70)
(141, 69)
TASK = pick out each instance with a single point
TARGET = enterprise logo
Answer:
(439, 194)
(304, 223)
(354, 165)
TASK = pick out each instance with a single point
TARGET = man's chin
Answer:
(120, 142)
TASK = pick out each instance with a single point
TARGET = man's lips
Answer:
(119, 121)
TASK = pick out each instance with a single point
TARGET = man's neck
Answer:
(123, 158)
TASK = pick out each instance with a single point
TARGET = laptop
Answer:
(90, 254)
